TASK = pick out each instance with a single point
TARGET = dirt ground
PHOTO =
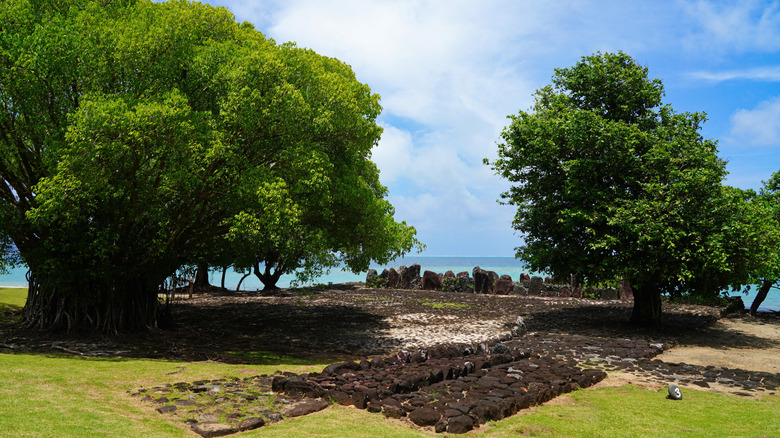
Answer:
(353, 322)
(745, 342)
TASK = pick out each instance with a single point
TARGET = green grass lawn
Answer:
(62, 395)
(11, 299)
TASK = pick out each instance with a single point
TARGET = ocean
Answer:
(501, 265)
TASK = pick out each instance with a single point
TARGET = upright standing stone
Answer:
(431, 281)
(504, 285)
(626, 293)
(536, 286)
(484, 280)
(410, 277)
(393, 278)
(609, 293)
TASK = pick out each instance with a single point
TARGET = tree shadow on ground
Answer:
(727, 333)
(680, 326)
(251, 330)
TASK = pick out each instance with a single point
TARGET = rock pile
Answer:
(443, 388)
(488, 282)
(450, 388)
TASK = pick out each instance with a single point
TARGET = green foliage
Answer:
(609, 183)
(378, 282)
(769, 198)
(138, 137)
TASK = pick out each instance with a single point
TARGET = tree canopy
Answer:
(767, 275)
(137, 137)
(611, 183)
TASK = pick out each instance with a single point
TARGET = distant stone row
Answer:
(487, 282)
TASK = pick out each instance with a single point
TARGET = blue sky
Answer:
(449, 72)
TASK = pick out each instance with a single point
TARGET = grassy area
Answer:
(634, 411)
(11, 301)
(61, 395)
(443, 305)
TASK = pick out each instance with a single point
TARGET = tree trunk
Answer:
(242, 280)
(105, 307)
(202, 276)
(224, 271)
(761, 296)
(647, 306)
(269, 278)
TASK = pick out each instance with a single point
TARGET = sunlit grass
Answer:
(11, 302)
(442, 305)
(633, 411)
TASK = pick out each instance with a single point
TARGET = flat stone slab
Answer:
(306, 407)
(209, 430)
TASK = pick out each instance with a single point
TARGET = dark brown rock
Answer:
(393, 278)
(339, 397)
(303, 388)
(486, 411)
(483, 280)
(166, 409)
(341, 367)
(626, 293)
(393, 411)
(536, 286)
(272, 417)
(360, 399)
(306, 407)
(424, 416)
(251, 423)
(460, 424)
(431, 281)
(410, 277)
(503, 286)
(277, 384)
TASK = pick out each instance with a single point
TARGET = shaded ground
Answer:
(348, 321)
(351, 322)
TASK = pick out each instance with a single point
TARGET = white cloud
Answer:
(393, 154)
(759, 126)
(768, 74)
(749, 25)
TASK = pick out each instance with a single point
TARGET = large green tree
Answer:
(767, 276)
(136, 137)
(610, 183)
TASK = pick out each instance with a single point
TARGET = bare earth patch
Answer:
(745, 342)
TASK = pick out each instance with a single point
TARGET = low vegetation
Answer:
(441, 305)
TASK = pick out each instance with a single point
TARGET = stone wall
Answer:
(488, 282)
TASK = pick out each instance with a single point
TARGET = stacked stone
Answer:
(443, 388)
(483, 282)
(489, 282)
